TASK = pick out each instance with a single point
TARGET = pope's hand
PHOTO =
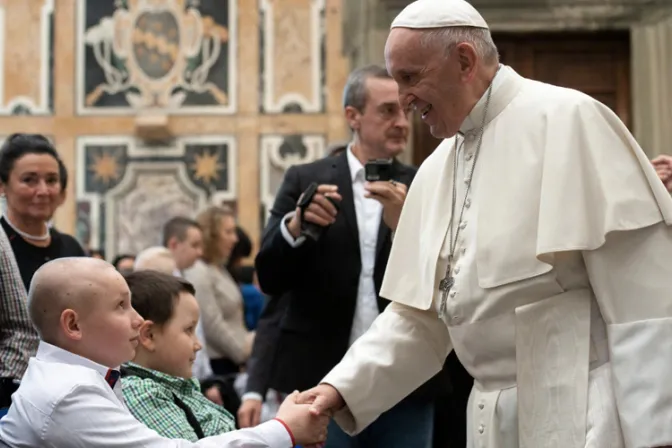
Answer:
(392, 195)
(324, 400)
(306, 427)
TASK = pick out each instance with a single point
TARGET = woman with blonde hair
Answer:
(228, 341)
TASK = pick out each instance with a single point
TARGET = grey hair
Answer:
(450, 37)
(355, 92)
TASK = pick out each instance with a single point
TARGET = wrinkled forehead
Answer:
(404, 48)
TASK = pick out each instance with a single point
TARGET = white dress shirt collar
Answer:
(354, 164)
(50, 353)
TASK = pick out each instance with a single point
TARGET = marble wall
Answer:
(247, 88)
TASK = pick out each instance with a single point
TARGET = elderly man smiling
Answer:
(534, 242)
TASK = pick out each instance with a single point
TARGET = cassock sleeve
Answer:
(630, 275)
(404, 348)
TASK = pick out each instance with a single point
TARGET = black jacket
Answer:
(315, 286)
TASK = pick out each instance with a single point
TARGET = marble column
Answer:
(652, 88)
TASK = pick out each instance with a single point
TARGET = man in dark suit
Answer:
(327, 290)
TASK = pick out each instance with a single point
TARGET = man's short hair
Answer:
(154, 294)
(177, 227)
(355, 92)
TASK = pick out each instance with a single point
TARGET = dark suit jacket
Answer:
(315, 286)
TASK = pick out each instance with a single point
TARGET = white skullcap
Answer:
(439, 14)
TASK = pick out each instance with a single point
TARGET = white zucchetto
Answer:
(439, 14)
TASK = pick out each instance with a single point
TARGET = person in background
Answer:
(97, 253)
(31, 182)
(183, 237)
(663, 166)
(18, 339)
(124, 263)
(228, 341)
(245, 276)
(159, 388)
(155, 258)
(71, 396)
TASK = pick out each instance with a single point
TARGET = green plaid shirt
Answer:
(149, 396)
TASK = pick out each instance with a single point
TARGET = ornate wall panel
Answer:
(278, 153)
(126, 191)
(293, 55)
(26, 57)
(174, 55)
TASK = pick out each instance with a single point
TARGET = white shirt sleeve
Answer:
(252, 396)
(285, 231)
(84, 418)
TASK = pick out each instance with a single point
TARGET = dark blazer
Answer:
(315, 286)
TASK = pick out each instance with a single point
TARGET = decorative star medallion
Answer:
(206, 166)
(105, 167)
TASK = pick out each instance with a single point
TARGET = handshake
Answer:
(306, 414)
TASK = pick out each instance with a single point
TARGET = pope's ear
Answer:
(466, 57)
(352, 117)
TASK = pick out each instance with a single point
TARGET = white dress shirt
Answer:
(368, 212)
(65, 402)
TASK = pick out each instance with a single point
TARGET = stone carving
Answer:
(176, 55)
(126, 191)
(278, 153)
(26, 47)
(293, 55)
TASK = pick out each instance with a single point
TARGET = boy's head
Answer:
(156, 258)
(83, 305)
(168, 341)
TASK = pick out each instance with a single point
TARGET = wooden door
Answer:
(595, 63)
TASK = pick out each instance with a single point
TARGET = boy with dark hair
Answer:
(159, 388)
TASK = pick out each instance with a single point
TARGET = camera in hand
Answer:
(378, 170)
(309, 229)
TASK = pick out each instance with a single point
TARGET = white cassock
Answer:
(562, 304)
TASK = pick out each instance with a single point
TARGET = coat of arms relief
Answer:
(157, 54)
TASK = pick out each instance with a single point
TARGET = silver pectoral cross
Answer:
(445, 286)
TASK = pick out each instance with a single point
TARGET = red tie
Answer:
(112, 377)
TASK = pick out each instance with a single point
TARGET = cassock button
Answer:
(453, 293)
(467, 203)
(481, 406)
(481, 429)
(469, 156)
(463, 224)
(457, 270)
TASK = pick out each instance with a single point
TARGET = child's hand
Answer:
(214, 395)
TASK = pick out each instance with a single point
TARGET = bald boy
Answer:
(70, 395)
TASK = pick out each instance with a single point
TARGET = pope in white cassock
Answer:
(535, 242)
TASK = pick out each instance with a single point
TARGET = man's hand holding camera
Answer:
(392, 195)
(321, 210)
